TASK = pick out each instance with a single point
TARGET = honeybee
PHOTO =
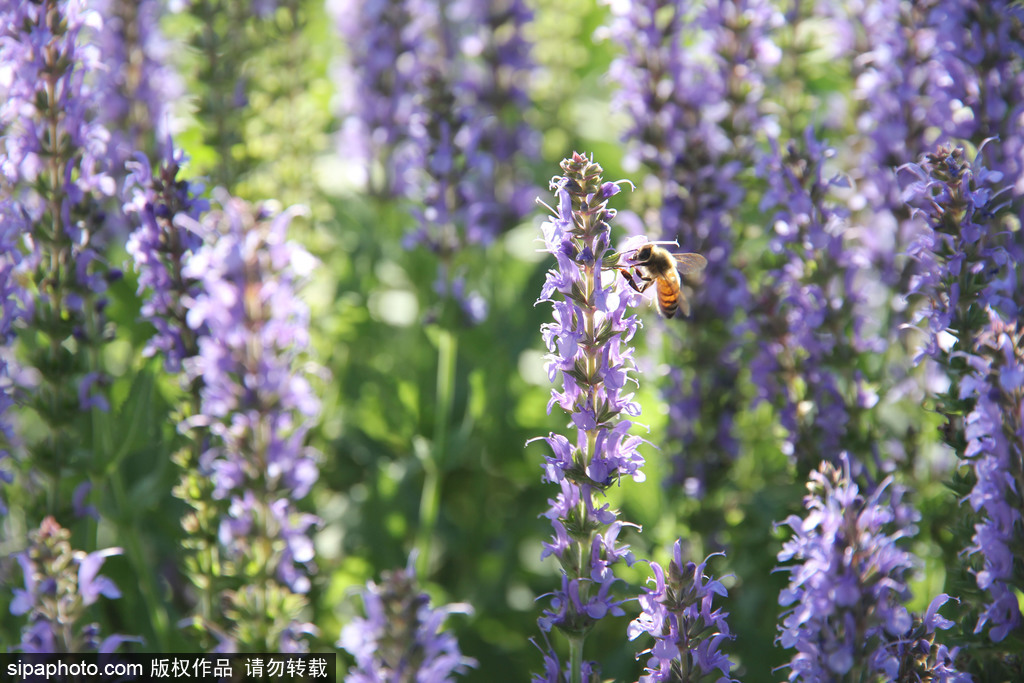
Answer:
(659, 266)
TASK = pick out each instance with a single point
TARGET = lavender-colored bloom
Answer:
(692, 81)
(434, 94)
(472, 305)
(808, 319)
(426, 89)
(900, 107)
(378, 83)
(159, 248)
(687, 630)
(54, 158)
(44, 42)
(471, 74)
(137, 83)
(12, 308)
(969, 287)
(587, 344)
(981, 44)
(557, 672)
(916, 657)
(848, 581)
(495, 139)
(59, 583)
(79, 504)
(944, 71)
(402, 637)
(963, 265)
(994, 433)
(256, 399)
(708, 68)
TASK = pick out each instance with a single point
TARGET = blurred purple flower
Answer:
(979, 45)
(159, 248)
(13, 299)
(256, 398)
(378, 85)
(78, 502)
(902, 78)
(55, 161)
(808, 318)
(428, 93)
(137, 81)
(58, 584)
(940, 72)
(402, 637)
(692, 81)
(434, 96)
(50, 42)
(91, 584)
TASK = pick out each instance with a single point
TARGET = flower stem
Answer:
(576, 658)
(430, 501)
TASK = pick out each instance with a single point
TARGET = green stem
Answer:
(576, 658)
(430, 501)
(130, 534)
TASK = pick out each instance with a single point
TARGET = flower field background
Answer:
(322, 332)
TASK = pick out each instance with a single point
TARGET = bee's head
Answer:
(644, 253)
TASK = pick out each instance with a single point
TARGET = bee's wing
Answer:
(690, 264)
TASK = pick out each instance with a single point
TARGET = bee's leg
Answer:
(628, 277)
(645, 281)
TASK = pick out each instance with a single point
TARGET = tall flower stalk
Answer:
(56, 185)
(587, 344)
(256, 405)
(692, 81)
(160, 246)
(436, 97)
(969, 283)
(994, 431)
(159, 204)
(139, 83)
(12, 309)
(845, 614)
(378, 81)
(808, 318)
(227, 35)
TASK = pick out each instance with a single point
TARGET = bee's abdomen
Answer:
(668, 297)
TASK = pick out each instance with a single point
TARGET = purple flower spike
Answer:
(257, 402)
(687, 631)
(137, 81)
(692, 81)
(588, 349)
(59, 584)
(159, 247)
(57, 171)
(995, 448)
(809, 315)
(971, 288)
(13, 300)
(845, 613)
(402, 637)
